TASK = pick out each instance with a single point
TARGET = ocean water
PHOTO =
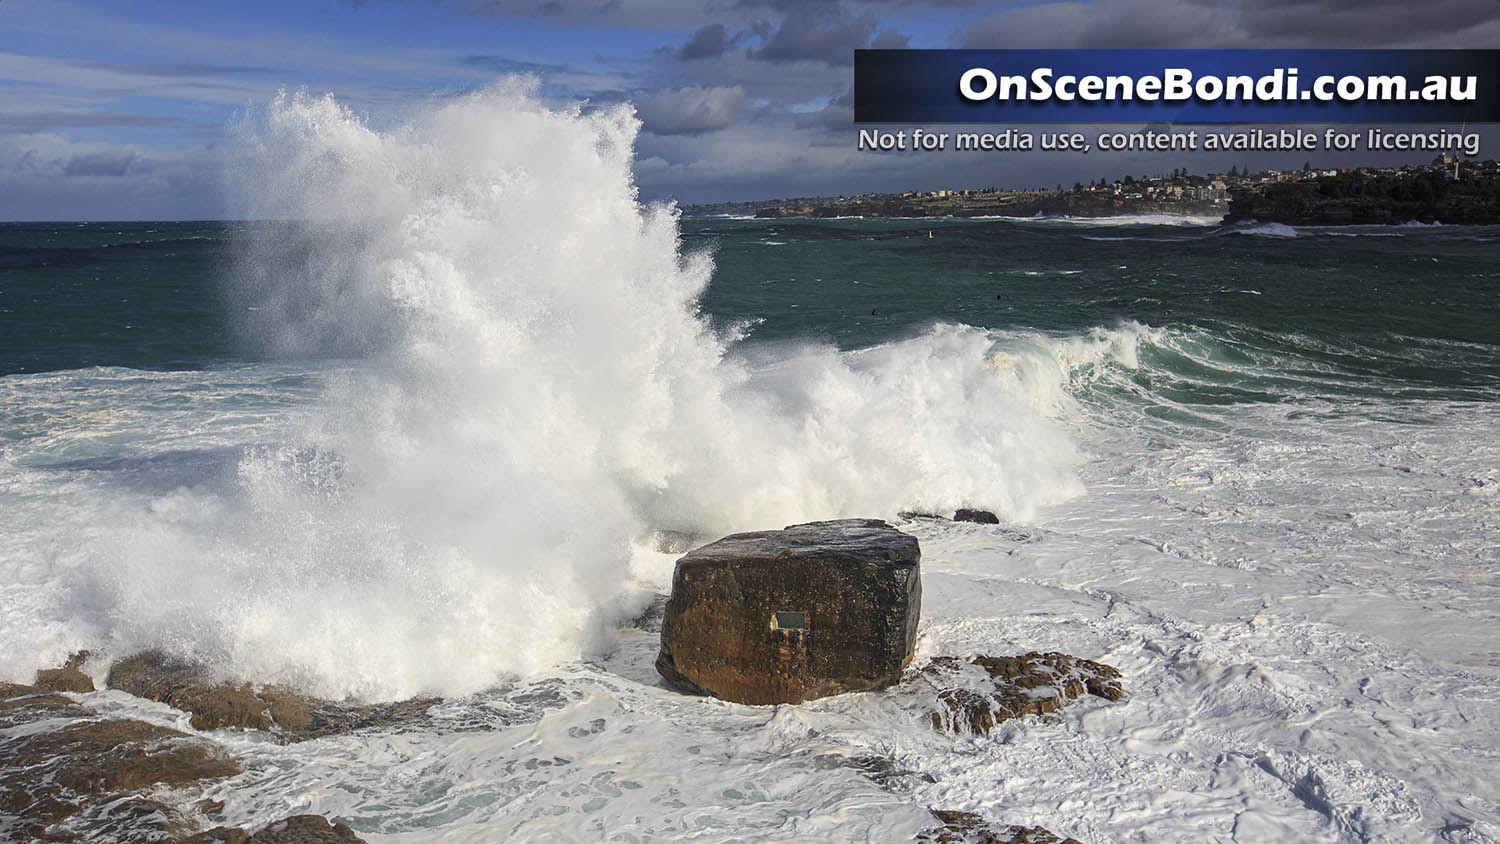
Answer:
(423, 435)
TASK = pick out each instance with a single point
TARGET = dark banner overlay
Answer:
(1176, 86)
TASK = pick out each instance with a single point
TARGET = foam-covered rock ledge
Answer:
(71, 773)
(970, 828)
(297, 829)
(95, 779)
(976, 694)
(783, 616)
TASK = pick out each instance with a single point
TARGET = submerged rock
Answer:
(784, 616)
(297, 829)
(977, 694)
(91, 767)
(125, 820)
(104, 780)
(970, 828)
(983, 517)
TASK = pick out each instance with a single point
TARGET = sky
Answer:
(127, 109)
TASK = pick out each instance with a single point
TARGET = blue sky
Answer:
(126, 109)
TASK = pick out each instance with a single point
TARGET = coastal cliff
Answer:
(1428, 196)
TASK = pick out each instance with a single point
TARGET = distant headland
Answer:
(1447, 190)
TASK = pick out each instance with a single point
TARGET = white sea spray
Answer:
(517, 385)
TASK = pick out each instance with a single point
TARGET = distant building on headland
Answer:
(1178, 192)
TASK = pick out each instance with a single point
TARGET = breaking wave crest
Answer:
(519, 387)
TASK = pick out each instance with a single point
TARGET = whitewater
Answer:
(485, 392)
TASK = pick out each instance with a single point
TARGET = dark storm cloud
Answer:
(1349, 23)
(668, 14)
(891, 40)
(834, 118)
(828, 34)
(787, 5)
(1070, 23)
(689, 111)
(709, 42)
(1125, 24)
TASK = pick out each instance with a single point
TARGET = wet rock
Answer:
(12, 690)
(217, 707)
(327, 718)
(20, 704)
(306, 829)
(970, 828)
(287, 709)
(188, 686)
(155, 676)
(124, 820)
(884, 772)
(98, 757)
(674, 541)
(298, 829)
(218, 835)
(49, 776)
(977, 694)
(983, 517)
(790, 615)
(210, 808)
(650, 618)
(291, 716)
(68, 678)
(101, 780)
(64, 680)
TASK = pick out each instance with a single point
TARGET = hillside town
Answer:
(1177, 192)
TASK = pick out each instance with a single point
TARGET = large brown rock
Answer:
(789, 615)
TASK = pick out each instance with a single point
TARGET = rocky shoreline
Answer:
(72, 772)
(92, 777)
(1356, 199)
(1000, 204)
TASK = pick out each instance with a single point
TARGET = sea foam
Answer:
(519, 386)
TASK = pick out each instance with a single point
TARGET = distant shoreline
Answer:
(1446, 191)
(963, 205)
